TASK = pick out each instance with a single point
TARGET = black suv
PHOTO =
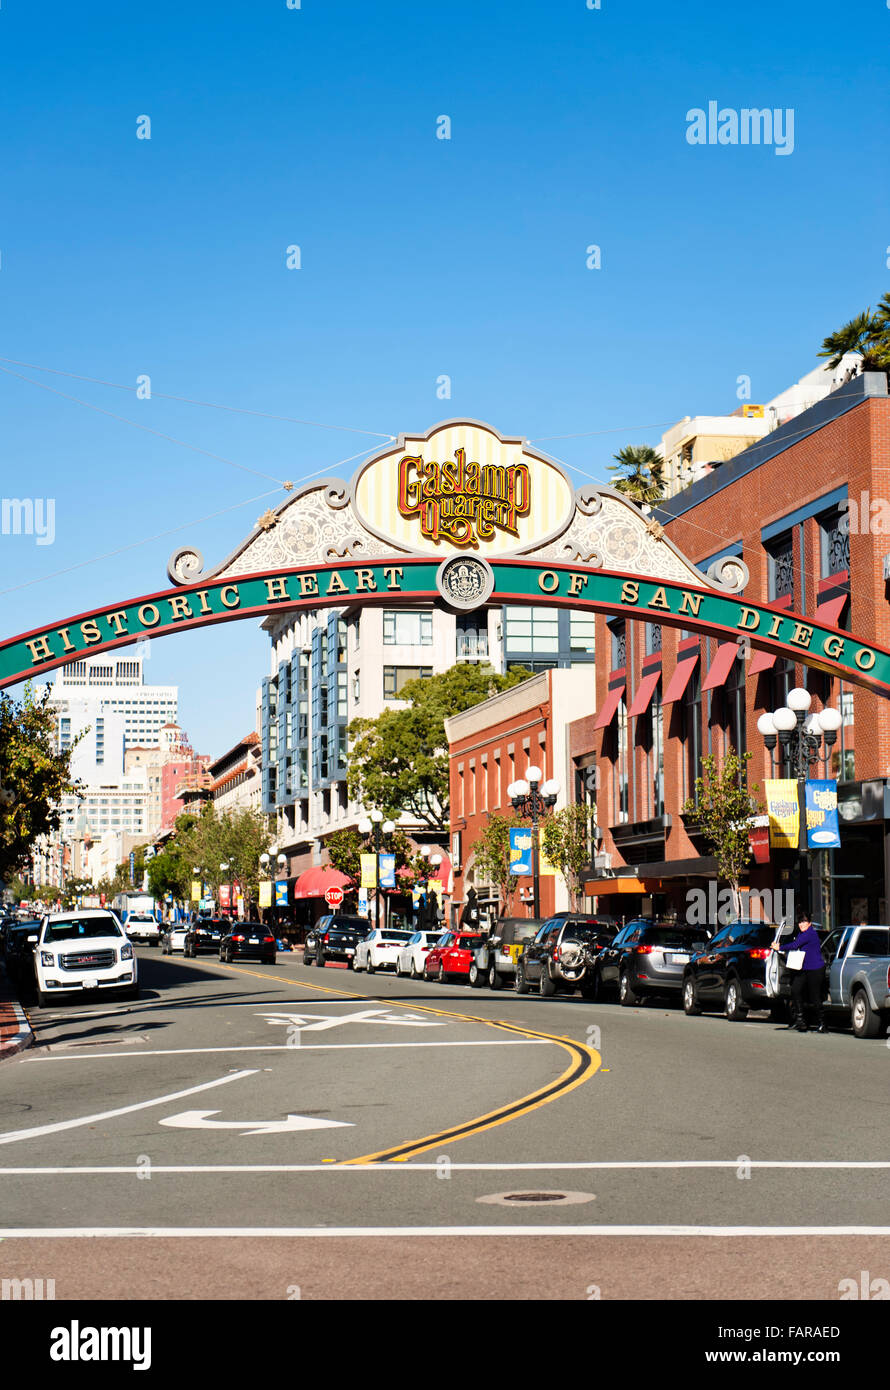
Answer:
(729, 974)
(335, 937)
(562, 954)
(648, 957)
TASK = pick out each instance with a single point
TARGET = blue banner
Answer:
(281, 893)
(387, 871)
(520, 851)
(823, 830)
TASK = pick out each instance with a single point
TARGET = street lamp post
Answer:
(375, 825)
(800, 736)
(529, 801)
(264, 870)
(224, 868)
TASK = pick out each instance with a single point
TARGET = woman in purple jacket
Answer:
(807, 984)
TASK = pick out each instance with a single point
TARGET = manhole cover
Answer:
(565, 1199)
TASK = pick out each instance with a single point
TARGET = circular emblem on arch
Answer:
(465, 581)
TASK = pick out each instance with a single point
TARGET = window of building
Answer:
(621, 788)
(692, 733)
(618, 633)
(834, 541)
(395, 677)
(582, 633)
(408, 628)
(656, 752)
(471, 637)
(653, 638)
(780, 553)
(532, 630)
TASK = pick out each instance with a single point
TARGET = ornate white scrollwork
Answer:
(185, 565)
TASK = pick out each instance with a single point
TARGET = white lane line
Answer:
(285, 1047)
(405, 1232)
(335, 1166)
(15, 1135)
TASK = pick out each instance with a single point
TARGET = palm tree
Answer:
(641, 470)
(867, 334)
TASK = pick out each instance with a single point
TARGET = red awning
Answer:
(314, 883)
(721, 666)
(830, 611)
(680, 678)
(608, 708)
(644, 693)
(761, 661)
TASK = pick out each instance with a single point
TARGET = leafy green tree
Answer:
(345, 848)
(33, 777)
(565, 839)
(399, 761)
(722, 806)
(867, 334)
(640, 470)
(491, 857)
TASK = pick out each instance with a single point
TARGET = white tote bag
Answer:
(795, 959)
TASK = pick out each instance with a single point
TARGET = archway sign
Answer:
(464, 516)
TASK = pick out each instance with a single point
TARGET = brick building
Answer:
(490, 746)
(806, 508)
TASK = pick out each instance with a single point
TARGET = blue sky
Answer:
(420, 257)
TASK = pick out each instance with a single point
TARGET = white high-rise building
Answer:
(101, 687)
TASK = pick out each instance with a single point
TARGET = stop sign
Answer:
(333, 897)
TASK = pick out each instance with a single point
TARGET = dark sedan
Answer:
(205, 935)
(247, 941)
(729, 974)
(19, 944)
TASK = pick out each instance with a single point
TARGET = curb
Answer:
(18, 1041)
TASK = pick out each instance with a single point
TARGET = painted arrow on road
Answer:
(200, 1119)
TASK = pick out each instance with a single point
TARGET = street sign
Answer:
(333, 896)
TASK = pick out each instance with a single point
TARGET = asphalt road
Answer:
(346, 1135)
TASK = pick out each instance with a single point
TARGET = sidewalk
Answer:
(15, 1030)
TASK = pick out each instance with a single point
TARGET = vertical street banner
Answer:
(225, 895)
(387, 871)
(783, 811)
(265, 898)
(545, 867)
(520, 851)
(369, 874)
(363, 902)
(281, 892)
(196, 890)
(823, 829)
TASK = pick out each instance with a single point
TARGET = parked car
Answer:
(729, 974)
(335, 937)
(859, 980)
(143, 927)
(494, 962)
(563, 954)
(452, 955)
(648, 957)
(20, 938)
(205, 934)
(247, 941)
(415, 951)
(380, 949)
(173, 938)
(82, 951)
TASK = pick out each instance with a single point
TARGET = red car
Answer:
(453, 955)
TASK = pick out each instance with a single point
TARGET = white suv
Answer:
(83, 951)
(143, 927)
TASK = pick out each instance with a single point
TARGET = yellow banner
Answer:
(544, 865)
(196, 890)
(434, 885)
(369, 871)
(266, 893)
(783, 810)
